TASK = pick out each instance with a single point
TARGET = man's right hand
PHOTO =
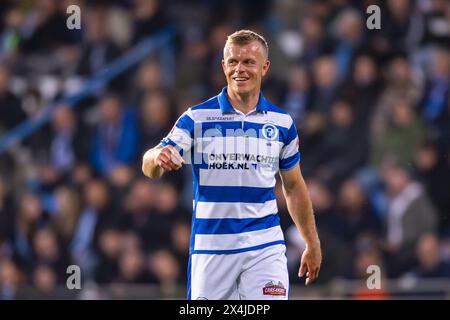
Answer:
(158, 160)
(168, 158)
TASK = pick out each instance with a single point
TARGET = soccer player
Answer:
(237, 143)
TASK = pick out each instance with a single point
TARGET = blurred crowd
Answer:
(372, 108)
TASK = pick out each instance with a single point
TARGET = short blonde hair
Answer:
(242, 37)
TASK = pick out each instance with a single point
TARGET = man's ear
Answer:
(223, 64)
(266, 67)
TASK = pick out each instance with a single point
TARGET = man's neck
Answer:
(244, 102)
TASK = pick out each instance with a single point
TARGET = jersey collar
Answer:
(226, 106)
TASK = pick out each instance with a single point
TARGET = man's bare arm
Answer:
(301, 211)
(160, 159)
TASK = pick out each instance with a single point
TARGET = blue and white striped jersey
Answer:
(235, 159)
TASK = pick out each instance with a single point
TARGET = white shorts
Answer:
(252, 275)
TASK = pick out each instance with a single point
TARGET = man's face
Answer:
(244, 66)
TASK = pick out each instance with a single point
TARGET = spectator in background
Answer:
(164, 268)
(116, 136)
(120, 180)
(97, 215)
(329, 226)
(149, 79)
(363, 91)
(180, 234)
(436, 31)
(68, 144)
(44, 280)
(149, 17)
(11, 279)
(30, 216)
(80, 175)
(434, 173)
(67, 210)
(44, 28)
(357, 212)
(437, 89)
(339, 158)
(314, 44)
(401, 85)
(313, 133)
(7, 212)
(139, 205)
(110, 248)
(155, 118)
(442, 132)
(98, 49)
(62, 153)
(430, 263)
(10, 34)
(297, 97)
(132, 266)
(325, 90)
(48, 251)
(11, 112)
(400, 32)
(349, 37)
(404, 133)
(191, 70)
(219, 32)
(167, 211)
(216, 37)
(368, 254)
(410, 214)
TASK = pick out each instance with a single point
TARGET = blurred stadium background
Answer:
(78, 108)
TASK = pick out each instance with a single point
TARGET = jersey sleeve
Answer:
(182, 134)
(290, 154)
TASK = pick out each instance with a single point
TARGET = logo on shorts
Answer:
(272, 289)
(270, 131)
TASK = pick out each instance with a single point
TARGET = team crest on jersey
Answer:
(166, 140)
(273, 289)
(269, 131)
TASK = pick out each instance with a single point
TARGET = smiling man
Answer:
(238, 142)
